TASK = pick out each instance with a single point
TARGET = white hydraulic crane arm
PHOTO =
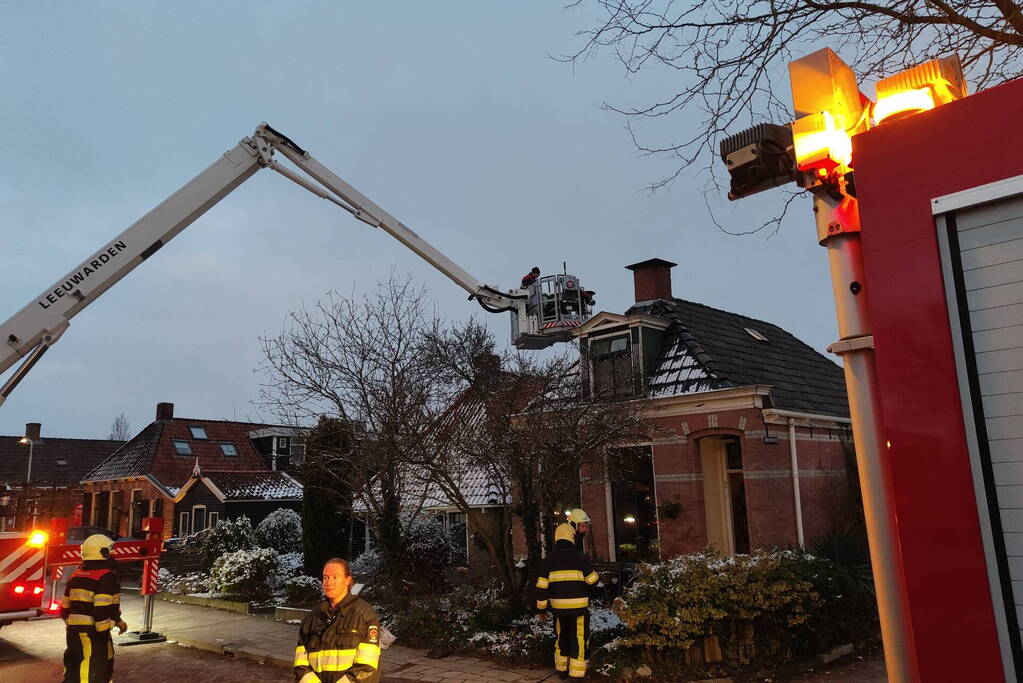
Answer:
(29, 333)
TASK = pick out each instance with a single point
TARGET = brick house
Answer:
(54, 490)
(740, 400)
(192, 472)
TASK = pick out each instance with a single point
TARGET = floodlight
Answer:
(920, 88)
(758, 159)
(829, 110)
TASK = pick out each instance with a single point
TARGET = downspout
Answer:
(795, 482)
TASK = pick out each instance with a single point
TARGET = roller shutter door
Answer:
(983, 259)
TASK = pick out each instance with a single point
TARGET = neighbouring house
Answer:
(756, 440)
(192, 472)
(483, 492)
(57, 466)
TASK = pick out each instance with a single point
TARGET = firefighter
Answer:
(529, 278)
(339, 641)
(91, 606)
(580, 522)
(565, 583)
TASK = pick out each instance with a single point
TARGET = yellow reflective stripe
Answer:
(566, 575)
(569, 603)
(80, 620)
(300, 656)
(541, 604)
(580, 624)
(368, 654)
(310, 677)
(104, 600)
(83, 668)
(104, 624)
(81, 595)
(331, 660)
(541, 582)
(65, 602)
(592, 578)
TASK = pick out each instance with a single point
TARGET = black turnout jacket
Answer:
(566, 580)
(339, 644)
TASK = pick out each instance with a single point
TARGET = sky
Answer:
(452, 116)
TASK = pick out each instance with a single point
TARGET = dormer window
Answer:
(612, 366)
(198, 432)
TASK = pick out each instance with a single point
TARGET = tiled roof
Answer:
(55, 462)
(152, 452)
(132, 459)
(706, 348)
(259, 485)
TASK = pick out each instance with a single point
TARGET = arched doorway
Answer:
(724, 494)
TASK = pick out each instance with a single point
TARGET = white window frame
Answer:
(204, 514)
(191, 431)
(212, 518)
(184, 521)
(447, 527)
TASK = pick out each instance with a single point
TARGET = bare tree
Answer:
(523, 424)
(120, 430)
(730, 55)
(359, 362)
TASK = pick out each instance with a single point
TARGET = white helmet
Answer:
(578, 516)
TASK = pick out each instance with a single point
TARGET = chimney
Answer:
(486, 365)
(652, 279)
(164, 411)
(32, 431)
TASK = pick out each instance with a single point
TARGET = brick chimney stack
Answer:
(652, 279)
(164, 411)
(32, 430)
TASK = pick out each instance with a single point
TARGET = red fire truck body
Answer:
(22, 575)
(944, 284)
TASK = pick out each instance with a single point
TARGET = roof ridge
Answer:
(233, 422)
(44, 439)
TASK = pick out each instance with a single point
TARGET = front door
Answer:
(724, 494)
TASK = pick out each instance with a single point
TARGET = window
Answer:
(214, 518)
(362, 537)
(198, 432)
(612, 366)
(737, 494)
(101, 509)
(458, 532)
(181, 447)
(228, 449)
(136, 512)
(631, 472)
(198, 518)
(283, 445)
(156, 508)
(183, 529)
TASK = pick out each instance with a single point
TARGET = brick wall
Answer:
(824, 489)
(121, 493)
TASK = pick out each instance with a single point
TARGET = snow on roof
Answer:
(255, 485)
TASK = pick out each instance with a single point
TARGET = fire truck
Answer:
(22, 575)
(35, 565)
(544, 313)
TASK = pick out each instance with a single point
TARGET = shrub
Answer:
(675, 603)
(427, 549)
(227, 536)
(302, 589)
(184, 584)
(280, 530)
(290, 566)
(245, 573)
(366, 567)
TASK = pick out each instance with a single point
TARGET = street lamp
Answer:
(25, 440)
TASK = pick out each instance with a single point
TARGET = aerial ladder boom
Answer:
(35, 328)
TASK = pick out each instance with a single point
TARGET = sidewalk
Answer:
(271, 642)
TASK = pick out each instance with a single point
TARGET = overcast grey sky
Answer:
(450, 115)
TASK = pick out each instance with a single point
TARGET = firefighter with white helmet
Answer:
(565, 583)
(91, 607)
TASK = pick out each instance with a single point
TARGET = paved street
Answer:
(224, 646)
(232, 647)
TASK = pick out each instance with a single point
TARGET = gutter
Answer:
(795, 482)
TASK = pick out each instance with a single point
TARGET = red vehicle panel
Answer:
(900, 167)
